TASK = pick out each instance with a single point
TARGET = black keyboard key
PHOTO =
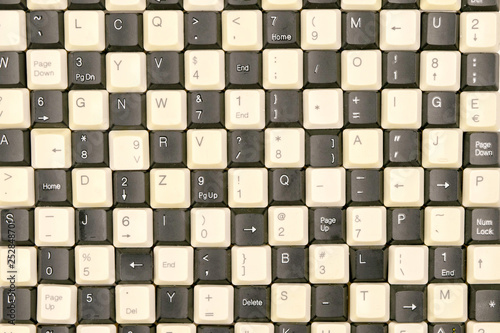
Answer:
(249, 227)
(369, 328)
(86, 70)
(134, 265)
(482, 225)
(53, 188)
(243, 70)
(246, 148)
(328, 225)
(49, 108)
(408, 304)
(165, 70)
(364, 187)
(252, 303)
(290, 264)
(322, 69)
(86, 4)
(323, 149)
(127, 111)
(329, 303)
(405, 226)
(402, 148)
(55, 329)
(212, 265)
(96, 305)
(18, 306)
(174, 304)
(440, 31)
(131, 188)
(214, 329)
(123, 32)
(90, 148)
(400, 4)
(401, 69)
(321, 4)
(14, 147)
(13, 4)
(12, 69)
(440, 109)
(205, 109)
(56, 265)
(202, 30)
(284, 108)
(360, 30)
(281, 29)
(45, 30)
(287, 187)
(362, 109)
(242, 4)
(447, 264)
(482, 149)
(368, 264)
(20, 224)
(94, 227)
(443, 187)
(445, 328)
(480, 71)
(163, 4)
(480, 5)
(484, 303)
(168, 149)
(171, 227)
(292, 328)
(209, 188)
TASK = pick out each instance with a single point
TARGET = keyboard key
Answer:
(323, 150)
(90, 148)
(290, 302)
(14, 147)
(322, 69)
(123, 32)
(257, 271)
(210, 227)
(360, 30)
(403, 187)
(119, 74)
(401, 108)
(401, 70)
(361, 4)
(368, 264)
(366, 226)
(15, 105)
(53, 188)
(487, 5)
(84, 30)
(480, 72)
(362, 109)
(440, 109)
(213, 304)
(325, 187)
(173, 265)
(281, 4)
(51, 148)
(242, 30)
(440, 31)
(474, 114)
(207, 149)
(95, 265)
(47, 4)
(447, 263)
(444, 226)
(317, 327)
(363, 148)
(408, 265)
(23, 194)
(95, 306)
(442, 148)
(284, 108)
(205, 5)
(93, 328)
(399, 29)
(329, 303)
(483, 303)
(364, 187)
(126, 111)
(481, 267)
(252, 303)
(212, 266)
(134, 265)
(86, 70)
(481, 188)
(13, 30)
(25, 264)
(361, 70)
(440, 5)
(446, 302)
(290, 264)
(163, 30)
(204, 70)
(166, 109)
(129, 150)
(202, 30)
(249, 227)
(173, 304)
(49, 108)
(282, 68)
(131, 188)
(177, 328)
(88, 109)
(369, 302)
(23, 302)
(56, 304)
(98, 231)
(281, 148)
(244, 70)
(135, 304)
(479, 32)
(205, 109)
(245, 109)
(86, 4)
(443, 187)
(281, 29)
(402, 147)
(54, 226)
(23, 220)
(405, 226)
(47, 69)
(317, 27)
(408, 306)
(440, 70)
(45, 30)
(132, 227)
(281, 219)
(328, 263)
(92, 187)
(170, 188)
(247, 187)
(125, 5)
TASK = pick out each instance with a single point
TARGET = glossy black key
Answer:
(408, 304)
(174, 304)
(364, 187)
(16, 227)
(86, 4)
(328, 225)
(163, 4)
(96, 305)
(445, 328)
(323, 148)
(400, 4)
(322, 69)
(56, 265)
(12, 69)
(482, 149)
(86, 70)
(362, 109)
(90, 148)
(137, 328)
(281, 29)
(480, 71)
(480, 5)
(123, 32)
(18, 306)
(209, 187)
(440, 109)
(53, 188)
(134, 265)
(368, 264)
(13, 4)
(14, 147)
(482, 225)
(329, 303)
(165, 70)
(242, 4)
(443, 187)
(202, 30)
(252, 303)
(400, 69)
(284, 108)
(290, 264)
(321, 4)
(447, 264)
(55, 329)
(171, 227)
(205, 109)
(369, 328)
(212, 265)
(49, 108)
(287, 187)
(402, 148)
(440, 31)
(45, 30)
(243, 70)
(360, 30)
(127, 111)
(245, 148)
(168, 149)
(484, 303)
(249, 227)
(94, 227)
(405, 226)
(131, 188)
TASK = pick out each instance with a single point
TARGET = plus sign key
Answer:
(213, 304)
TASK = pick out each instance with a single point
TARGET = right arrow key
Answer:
(443, 187)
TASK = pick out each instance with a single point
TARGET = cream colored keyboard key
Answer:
(282, 68)
(47, 69)
(51, 148)
(241, 30)
(176, 328)
(17, 187)
(440, 5)
(475, 327)
(54, 226)
(442, 148)
(403, 187)
(210, 227)
(242, 327)
(213, 304)
(126, 72)
(361, 70)
(329, 263)
(203, 5)
(369, 302)
(47, 4)
(84, 30)
(173, 265)
(132, 227)
(446, 302)
(15, 108)
(401, 108)
(18, 328)
(163, 30)
(88, 110)
(56, 304)
(95, 264)
(366, 226)
(399, 30)
(281, 4)
(247, 187)
(166, 109)
(408, 328)
(321, 29)
(204, 70)
(170, 188)
(361, 4)
(20, 268)
(325, 187)
(319, 327)
(129, 150)
(245, 109)
(480, 111)
(479, 32)
(12, 30)
(290, 302)
(96, 329)
(440, 70)
(323, 108)
(444, 226)
(251, 265)
(482, 264)
(125, 5)
(207, 149)
(363, 148)
(481, 187)
(288, 225)
(135, 303)
(92, 187)
(285, 148)
(408, 265)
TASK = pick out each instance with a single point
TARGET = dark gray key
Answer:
(56, 265)
(287, 187)
(368, 264)
(209, 187)
(242, 4)
(323, 148)
(329, 303)
(364, 187)
(202, 30)
(171, 227)
(481, 5)
(408, 304)
(14, 147)
(402, 148)
(18, 306)
(400, 4)
(440, 109)
(214, 329)
(12, 70)
(13, 4)
(123, 32)
(292, 328)
(174, 304)
(400, 69)
(49, 108)
(405, 226)
(482, 149)
(480, 71)
(134, 265)
(320, 4)
(290, 264)
(86, 70)
(94, 227)
(165, 70)
(20, 224)
(443, 187)
(446, 264)
(281, 29)
(90, 148)
(445, 328)
(45, 30)
(284, 108)
(322, 69)
(440, 31)
(86, 4)
(168, 149)
(249, 227)
(163, 4)
(252, 303)
(369, 328)
(96, 305)
(205, 109)
(127, 111)
(360, 30)
(245, 148)
(328, 225)
(243, 70)
(362, 109)
(55, 329)
(131, 188)
(212, 265)
(137, 328)
(482, 225)
(53, 188)
(484, 303)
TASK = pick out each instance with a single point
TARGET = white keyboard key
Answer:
(210, 227)
(400, 30)
(321, 29)
(247, 187)
(56, 304)
(288, 225)
(444, 226)
(96, 329)
(12, 30)
(361, 4)
(366, 226)
(17, 187)
(51, 148)
(442, 148)
(281, 4)
(84, 30)
(290, 302)
(14, 108)
(408, 328)
(285, 148)
(403, 187)
(132, 227)
(54, 226)
(23, 263)
(440, 5)
(482, 264)
(166, 109)
(241, 30)
(323, 108)
(369, 302)
(163, 30)
(480, 111)
(47, 69)
(170, 188)
(245, 109)
(401, 108)
(361, 70)
(125, 5)
(329, 263)
(479, 32)
(446, 302)
(363, 148)
(207, 149)
(213, 304)
(92, 187)
(19, 328)
(135, 304)
(173, 265)
(129, 150)
(203, 5)
(325, 187)
(243, 327)
(481, 188)
(440, 70)
(47, 4)
(319, 327)
(251, 265)
(95, 265)
(204, 70)
(475, 327)
(408, 264)
(88, 110)
(176, 328)
(126, 72)
(282, 68)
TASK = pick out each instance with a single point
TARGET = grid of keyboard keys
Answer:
(218, 166)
